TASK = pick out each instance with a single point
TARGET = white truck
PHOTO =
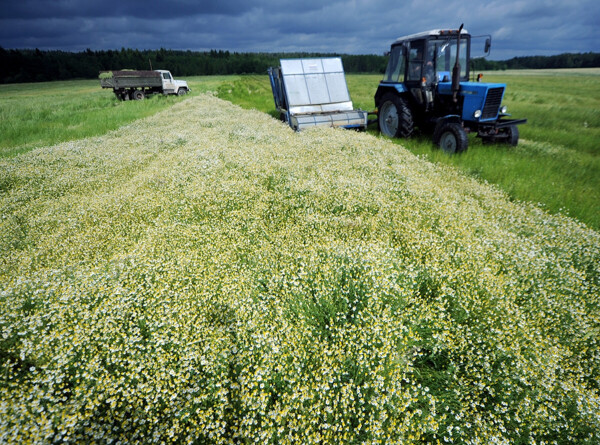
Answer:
(132, 84)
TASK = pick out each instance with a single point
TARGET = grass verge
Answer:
(40, 114)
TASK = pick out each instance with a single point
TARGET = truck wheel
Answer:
(450, 137)
(138, 95)
(394, 117)
(181, 92)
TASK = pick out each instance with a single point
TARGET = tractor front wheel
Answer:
(451, 137)
(512, 133)
(394, 117)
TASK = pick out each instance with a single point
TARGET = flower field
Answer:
(206, 275)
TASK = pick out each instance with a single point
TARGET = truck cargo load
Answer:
(130, 79)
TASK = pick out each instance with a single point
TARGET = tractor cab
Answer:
(426, 86)
(421, 61)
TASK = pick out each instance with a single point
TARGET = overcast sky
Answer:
(518, 27)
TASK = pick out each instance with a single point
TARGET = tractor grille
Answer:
(492, 103)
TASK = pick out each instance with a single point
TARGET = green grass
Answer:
(561, 106)
(41, 114)
(557, 162)
(250, 92)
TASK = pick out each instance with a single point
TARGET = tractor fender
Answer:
(449, 118)
(397, 88)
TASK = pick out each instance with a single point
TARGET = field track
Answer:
(206, 274)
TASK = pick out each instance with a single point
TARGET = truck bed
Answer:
(130, 79)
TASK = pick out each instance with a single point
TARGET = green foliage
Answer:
(39, 66)
(567, 60)
(27, 65)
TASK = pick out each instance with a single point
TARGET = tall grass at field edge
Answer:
(41, 114)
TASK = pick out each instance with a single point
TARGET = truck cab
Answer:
(426, 85)
(172, 86)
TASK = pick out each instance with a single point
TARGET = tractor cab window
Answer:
(416, 57)
(395, 68)
(444, 53)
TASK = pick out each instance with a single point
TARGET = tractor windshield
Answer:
(443, 52)
(395, 68)
(431, 58)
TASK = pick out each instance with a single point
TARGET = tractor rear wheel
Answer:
(451, 137)
(394, 117)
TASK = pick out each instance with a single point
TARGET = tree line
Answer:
(566, 60)
(27, 65)
(33, 65)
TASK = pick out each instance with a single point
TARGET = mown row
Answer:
(207, 275)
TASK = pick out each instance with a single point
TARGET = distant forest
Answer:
(33, 65)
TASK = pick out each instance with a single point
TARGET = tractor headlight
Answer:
(477, 114)
(503, 109)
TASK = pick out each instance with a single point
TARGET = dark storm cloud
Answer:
(518, 27)
(145, 8)
(133, 8)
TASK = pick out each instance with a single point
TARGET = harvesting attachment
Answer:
(313, 92)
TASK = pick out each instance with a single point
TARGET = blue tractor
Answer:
(426, 86)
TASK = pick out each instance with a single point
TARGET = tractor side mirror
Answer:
(488, 45)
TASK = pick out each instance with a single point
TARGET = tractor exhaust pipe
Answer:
(456, 69)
